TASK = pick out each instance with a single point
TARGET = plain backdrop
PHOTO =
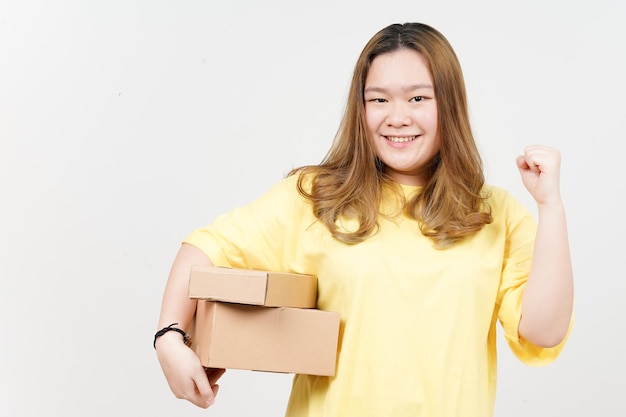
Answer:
(124, 125)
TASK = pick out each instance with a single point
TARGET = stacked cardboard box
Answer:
(263, 321)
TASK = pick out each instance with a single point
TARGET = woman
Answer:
(418, 255)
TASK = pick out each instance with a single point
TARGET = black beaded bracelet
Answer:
(186, 337)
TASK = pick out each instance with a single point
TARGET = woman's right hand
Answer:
(186, 376)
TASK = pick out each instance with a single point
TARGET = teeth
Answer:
(396, 139)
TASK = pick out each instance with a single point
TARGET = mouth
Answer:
(400, 139)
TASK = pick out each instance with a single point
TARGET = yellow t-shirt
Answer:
(418, 325)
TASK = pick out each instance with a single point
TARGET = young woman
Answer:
(418, 255)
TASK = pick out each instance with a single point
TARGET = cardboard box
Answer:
(272, 289)
(274, 339)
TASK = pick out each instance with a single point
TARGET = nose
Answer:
(399, 115)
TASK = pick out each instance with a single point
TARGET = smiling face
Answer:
(401, 114)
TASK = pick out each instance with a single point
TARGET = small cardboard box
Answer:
(272, 289)
(273, 339)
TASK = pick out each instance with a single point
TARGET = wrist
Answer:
(170, 333)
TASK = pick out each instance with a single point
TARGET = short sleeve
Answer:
(520, 235)
(255, 236)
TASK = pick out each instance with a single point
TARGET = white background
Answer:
(124, 125)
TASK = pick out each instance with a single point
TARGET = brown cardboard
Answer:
(274, 339)
(272, 289)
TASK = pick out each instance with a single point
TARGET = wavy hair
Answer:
(350, 180)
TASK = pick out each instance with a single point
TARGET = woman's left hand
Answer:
(540, 168)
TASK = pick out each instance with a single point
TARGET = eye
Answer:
(377, 100)
(417, 99)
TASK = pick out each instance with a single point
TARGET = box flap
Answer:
(226, 284)
(290, 290)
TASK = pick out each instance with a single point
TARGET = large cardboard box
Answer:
(272, 289)
(274, 339)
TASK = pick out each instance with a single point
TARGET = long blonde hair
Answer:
(350, 180)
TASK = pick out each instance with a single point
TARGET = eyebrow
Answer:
(408, 88)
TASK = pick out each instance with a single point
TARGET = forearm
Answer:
(549, 294)
(180, 364)
(176, 306)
